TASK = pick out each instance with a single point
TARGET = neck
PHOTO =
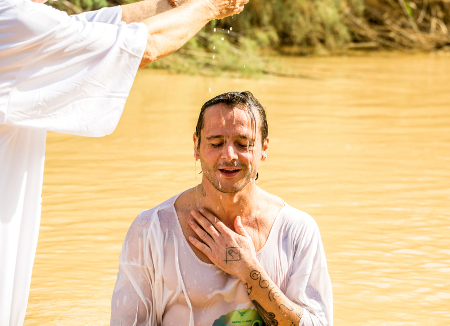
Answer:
(226, 206)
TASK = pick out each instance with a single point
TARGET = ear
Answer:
(196, 151)
(265, 149)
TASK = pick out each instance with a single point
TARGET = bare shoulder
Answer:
(187, 201)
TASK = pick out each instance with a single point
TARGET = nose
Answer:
(229, 153)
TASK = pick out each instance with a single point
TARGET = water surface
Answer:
(361, 143)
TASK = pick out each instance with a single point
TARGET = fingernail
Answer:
(191, 221)
(191, 238)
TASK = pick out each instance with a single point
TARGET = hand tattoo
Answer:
(232, 254)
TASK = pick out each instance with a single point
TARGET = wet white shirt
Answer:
(69, 74)
(162, 282)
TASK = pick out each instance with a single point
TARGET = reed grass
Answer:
(244, 44)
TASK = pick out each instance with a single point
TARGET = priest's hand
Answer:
(233, 252)
(225, 8)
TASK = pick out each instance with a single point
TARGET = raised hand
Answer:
(225, 8)
(233, 252)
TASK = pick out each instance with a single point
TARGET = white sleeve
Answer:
(132, 300)
(62, 74)
(107, 15)
(309, 284)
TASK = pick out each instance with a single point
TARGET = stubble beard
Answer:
(241, 184)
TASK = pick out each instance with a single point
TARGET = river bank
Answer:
(245, 44)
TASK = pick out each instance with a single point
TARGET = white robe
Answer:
(162, 282)
(69, 74)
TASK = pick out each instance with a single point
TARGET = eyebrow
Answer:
(239, 136)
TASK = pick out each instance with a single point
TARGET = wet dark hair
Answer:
(232, 100)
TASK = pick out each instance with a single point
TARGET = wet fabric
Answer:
(162, 282)
(69, 74)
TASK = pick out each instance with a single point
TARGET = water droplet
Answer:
(214, 47)
(214, 30)
(228, 32)
(214, 56)
(244, 66)
(222, 38)
(210, 89)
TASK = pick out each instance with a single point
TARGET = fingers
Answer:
(239, 227)
(173, 3)
(238, 10)
(204, 236)
(209, 222)
(201, 246)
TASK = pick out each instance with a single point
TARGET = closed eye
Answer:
(246, 146)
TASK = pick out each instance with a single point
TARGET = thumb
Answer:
(239, 227)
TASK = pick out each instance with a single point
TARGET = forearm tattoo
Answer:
(274, 293)
(255, 275)
(267, 317)
(249, 288)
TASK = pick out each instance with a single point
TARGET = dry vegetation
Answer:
(401, 24)
(242, 44)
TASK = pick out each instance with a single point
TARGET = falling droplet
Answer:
(231, 28)
(244, 66)
(222, 38)
(228, 32)
(214, 56)
(210, 89)
(214, 47)
(214, 30)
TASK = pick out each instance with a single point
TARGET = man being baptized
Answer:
(224, 252)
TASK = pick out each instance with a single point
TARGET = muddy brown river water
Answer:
(361, 143)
